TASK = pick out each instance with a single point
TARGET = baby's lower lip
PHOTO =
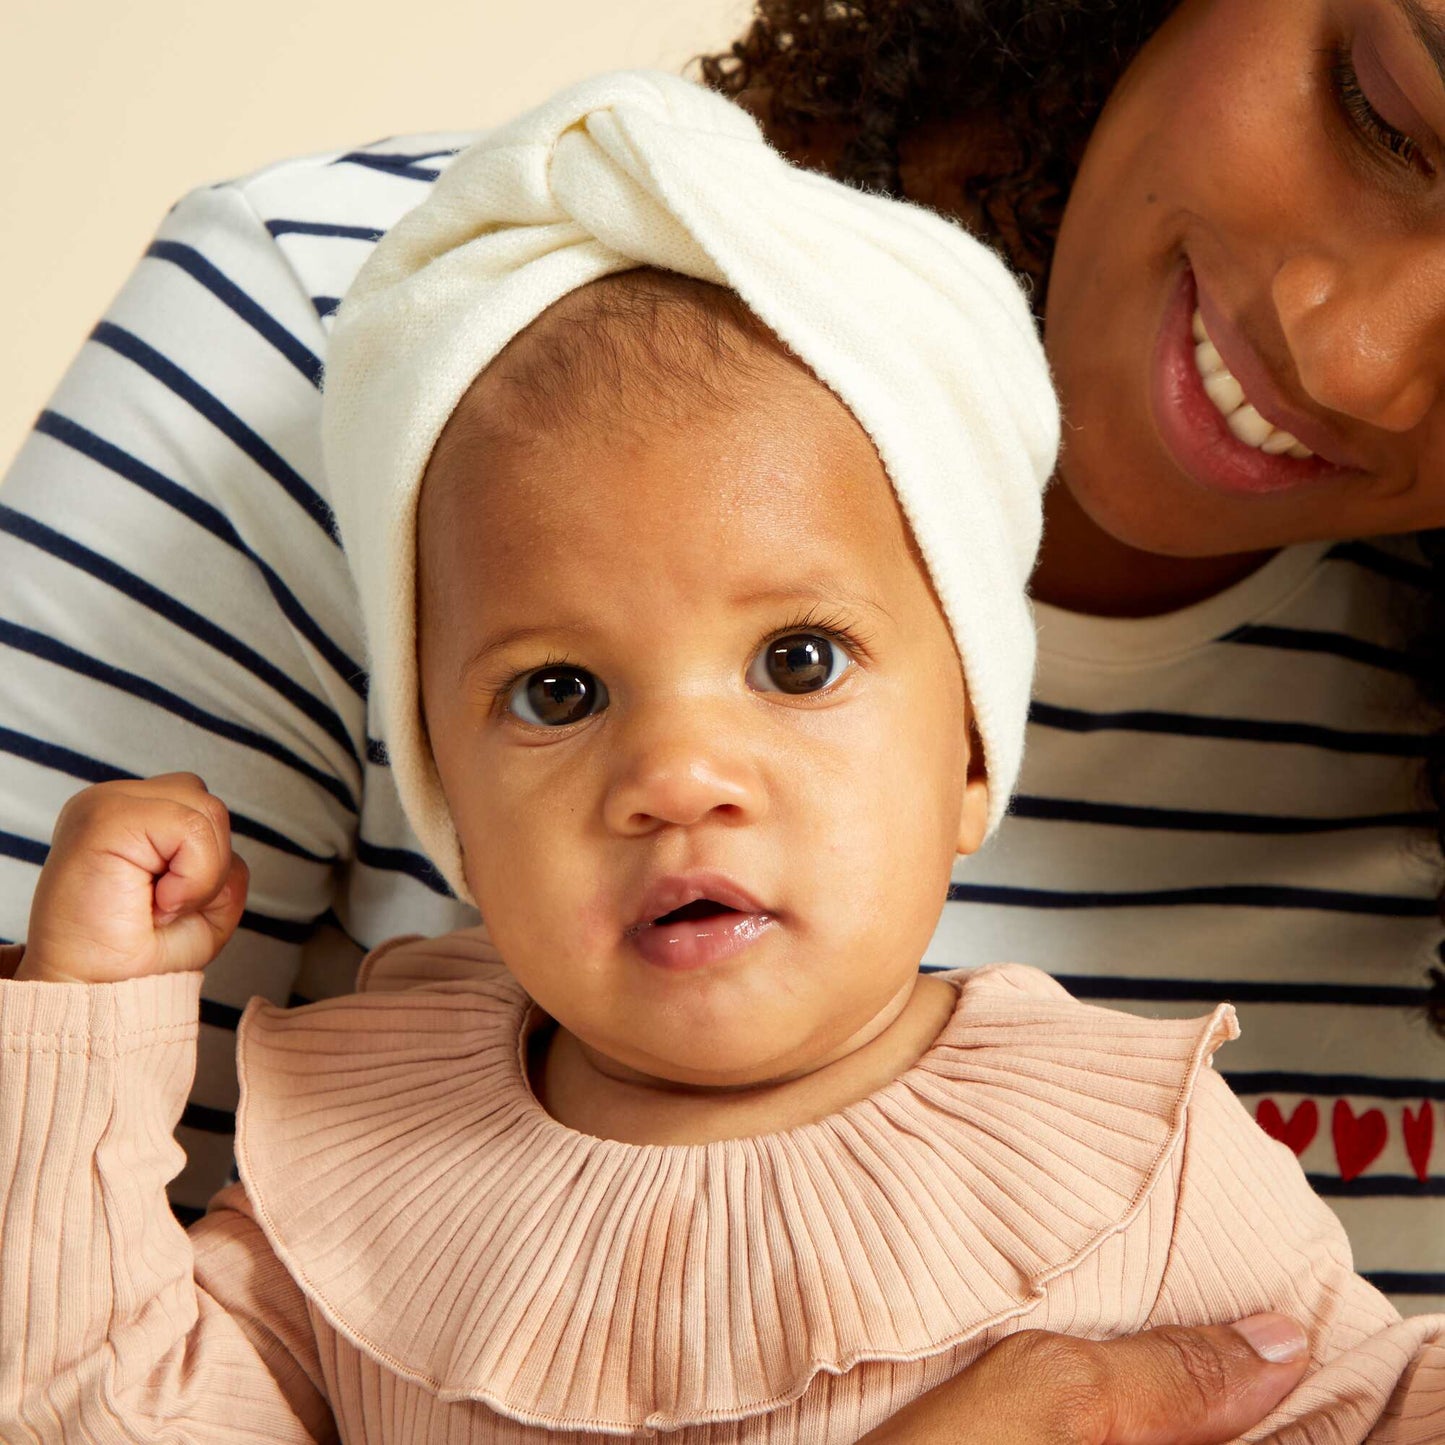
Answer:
(689, 943)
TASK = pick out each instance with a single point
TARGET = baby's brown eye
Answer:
(552, 697)
(801, 662)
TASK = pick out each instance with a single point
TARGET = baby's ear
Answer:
(973, 819)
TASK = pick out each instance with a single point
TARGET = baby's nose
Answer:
(684, 778)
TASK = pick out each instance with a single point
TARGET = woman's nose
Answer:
(1367, 331)
(682, 776)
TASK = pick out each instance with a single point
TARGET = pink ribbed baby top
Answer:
(419, 1253)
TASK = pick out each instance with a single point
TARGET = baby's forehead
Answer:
(653, 395)
(631, 352)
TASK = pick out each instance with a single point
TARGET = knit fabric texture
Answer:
(417, 1252)
(918, 328)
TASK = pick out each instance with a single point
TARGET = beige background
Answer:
(111, 109)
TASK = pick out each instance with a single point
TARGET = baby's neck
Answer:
(577, 1092)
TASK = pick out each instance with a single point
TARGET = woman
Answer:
(1241, 275)
(171, 594)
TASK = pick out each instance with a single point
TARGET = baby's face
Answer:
(700, 723)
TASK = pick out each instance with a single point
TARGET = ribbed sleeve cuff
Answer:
(102, 1020)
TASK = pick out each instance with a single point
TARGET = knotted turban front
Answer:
(918, 328)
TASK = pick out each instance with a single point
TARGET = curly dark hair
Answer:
(1031, 77)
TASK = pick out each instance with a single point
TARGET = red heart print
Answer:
(1300, 1129)
(1420, 1138)
(1358, 1142)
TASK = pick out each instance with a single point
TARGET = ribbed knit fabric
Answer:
(419, 1253)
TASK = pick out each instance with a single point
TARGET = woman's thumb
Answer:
(1177, 1386)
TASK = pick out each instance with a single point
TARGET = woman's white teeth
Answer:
(1251, 428)
(1225, 392)
(1243, 421)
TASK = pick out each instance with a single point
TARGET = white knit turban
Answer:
(919, 329)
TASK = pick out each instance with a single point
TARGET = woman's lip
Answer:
(1262, 391)
(1191, 427)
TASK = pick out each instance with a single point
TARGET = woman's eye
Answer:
(1368, 122)
(801, 662)
(552, 697)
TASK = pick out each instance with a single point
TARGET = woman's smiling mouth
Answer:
(1219, 412)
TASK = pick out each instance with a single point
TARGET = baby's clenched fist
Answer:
(140, 880)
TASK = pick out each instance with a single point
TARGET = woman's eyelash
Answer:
(1366, 120)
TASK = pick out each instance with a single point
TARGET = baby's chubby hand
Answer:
(140, 880)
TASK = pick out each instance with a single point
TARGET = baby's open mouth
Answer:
(698, 909)
(687, 920)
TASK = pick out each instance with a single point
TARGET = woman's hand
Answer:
(1170, 1386)
(140, 880)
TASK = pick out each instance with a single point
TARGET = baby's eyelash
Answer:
(832, 625)
(496, 690)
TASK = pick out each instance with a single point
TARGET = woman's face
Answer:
(1269, 175)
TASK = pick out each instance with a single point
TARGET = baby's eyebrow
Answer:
(513, 635)
(821, 592)
(816, 595)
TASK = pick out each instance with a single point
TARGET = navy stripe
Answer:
(50, 755)
(409, 159)
(1334, 644)
(1376, 1186)
(24, 639)
(91, 770)
(1334, 1085)
(1240, 895)
(1254, 730)
(203, 514)
(248, 827)
(403, 166)
(27, 850)
(126, 344)
(208, 1121)
(326, 305)
(1188, 820)
(172, 610)
(280, 228)
(220, 1015)
(1213, 991)
(377, 754)
(100, 451)
(285, 930)
(1394, 1281)
(402, 860)
(1397, 569)
(254, 315)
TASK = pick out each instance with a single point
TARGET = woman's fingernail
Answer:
(1275, 1338)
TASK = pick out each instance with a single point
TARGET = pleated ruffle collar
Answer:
(451, 1230)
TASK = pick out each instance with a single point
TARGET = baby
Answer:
(697, 673)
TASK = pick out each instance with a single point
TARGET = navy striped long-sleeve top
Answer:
(1220, 803)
